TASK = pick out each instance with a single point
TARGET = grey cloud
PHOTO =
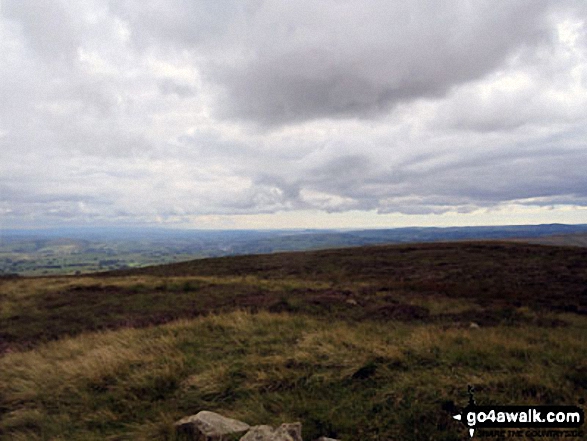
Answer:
(93, 96)
(343, 171)
(366, 62)
(509, 180)
(146, 119)
(281, 63)
(464, 184)
(180, 22)
(11, 194)
(169, 87)
(49, 27)
(289, 190)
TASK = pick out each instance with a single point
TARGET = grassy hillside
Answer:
(369, 343)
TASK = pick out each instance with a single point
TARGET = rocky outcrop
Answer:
(210, 426)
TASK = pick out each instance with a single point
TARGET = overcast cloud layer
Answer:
(183, 111)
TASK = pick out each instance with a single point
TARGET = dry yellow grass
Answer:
(271, 366)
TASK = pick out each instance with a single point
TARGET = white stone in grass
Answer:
(209, 426)
(289, 431)
(258, 433)
(285, 432)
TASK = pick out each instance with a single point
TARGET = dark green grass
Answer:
(368, 381)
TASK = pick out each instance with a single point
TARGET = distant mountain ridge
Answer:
(400, 234)
(326, 239)
(82, 250)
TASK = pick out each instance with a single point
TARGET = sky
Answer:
(292, 114)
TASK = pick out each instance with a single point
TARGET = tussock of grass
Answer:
(356, 381)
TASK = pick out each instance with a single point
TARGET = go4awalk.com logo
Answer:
(531, 421)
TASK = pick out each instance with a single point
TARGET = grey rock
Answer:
(291, 430)
(285, 432)
(258, 433)
(209, 426)
(474, 325)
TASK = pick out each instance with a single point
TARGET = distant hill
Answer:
(299, 241)
(84, 250)
(573, 239)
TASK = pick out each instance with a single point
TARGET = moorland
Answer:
(362, 343)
